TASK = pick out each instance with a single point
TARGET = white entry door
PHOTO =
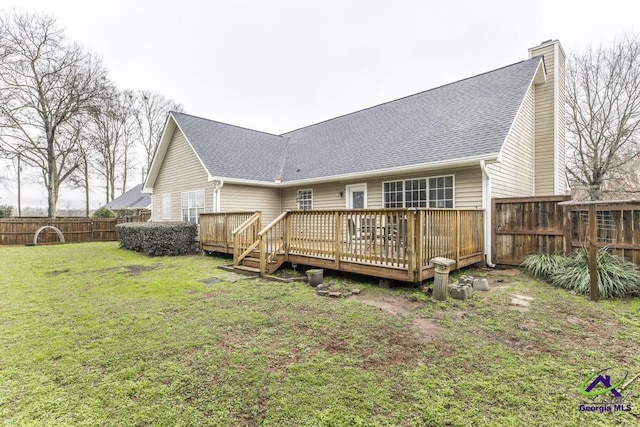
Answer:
(357, 196)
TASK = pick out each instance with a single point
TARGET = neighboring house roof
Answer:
(470, 118)
(132, 199)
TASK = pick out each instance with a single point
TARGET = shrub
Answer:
(6, 211)
(616, 276)
(104, 212)
(158, 238)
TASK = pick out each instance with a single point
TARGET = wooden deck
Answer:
(389, 243)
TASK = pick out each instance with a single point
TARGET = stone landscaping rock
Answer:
(355, 291)
(335, 294)
(322, 287)
(481, 284)
(322, 293)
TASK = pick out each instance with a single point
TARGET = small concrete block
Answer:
(481, 284)
(335, 294)
(322, 287)
(322, 293)
(466, 280)
(356, 291)
(459, 292)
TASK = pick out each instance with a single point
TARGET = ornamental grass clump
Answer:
(616, 276)
(544, 265)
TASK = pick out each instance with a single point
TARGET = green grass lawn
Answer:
(94, 335)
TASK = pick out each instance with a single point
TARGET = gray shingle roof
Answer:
(234, 152)
(132, 199)
(467, 118)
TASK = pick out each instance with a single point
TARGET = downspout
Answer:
(217, 186)
(486, 202)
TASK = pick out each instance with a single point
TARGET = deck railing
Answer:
(216, 229)
(454, 234)
(396, 242)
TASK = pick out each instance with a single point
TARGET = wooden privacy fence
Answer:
(557, 225)
(20, 231)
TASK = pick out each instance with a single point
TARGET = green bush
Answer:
(158, 238)
(104, 212)
(6, 211)
(616, 276)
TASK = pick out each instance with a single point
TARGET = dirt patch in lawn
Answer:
(135, 270)
(399, 306)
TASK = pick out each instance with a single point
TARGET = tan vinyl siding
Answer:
(513, 176)
(467, 190)
(236, 198)
(180, 171)
(545, 122)
(562, 125)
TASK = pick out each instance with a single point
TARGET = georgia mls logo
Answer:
(605, 390)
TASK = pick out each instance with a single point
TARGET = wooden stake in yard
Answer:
(593, 263)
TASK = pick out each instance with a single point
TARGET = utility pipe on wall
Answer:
(486, 201)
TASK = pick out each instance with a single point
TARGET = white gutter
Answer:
(486, 204)
(217, 186)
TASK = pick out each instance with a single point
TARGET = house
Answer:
(497, 134)
(132, 200)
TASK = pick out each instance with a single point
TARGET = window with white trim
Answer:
(441, 192)
(166, 206)
(436, 192)
(305, 199)
(192, 205)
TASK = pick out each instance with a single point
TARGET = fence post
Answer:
(593, 264)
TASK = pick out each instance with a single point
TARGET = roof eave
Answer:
(454, 163)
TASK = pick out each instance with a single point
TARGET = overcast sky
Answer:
(279, 65)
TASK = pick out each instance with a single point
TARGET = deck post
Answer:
(263, 256)
(337, 227)
(420, 245)
(411, 241)
(458, 237)
(287, 234)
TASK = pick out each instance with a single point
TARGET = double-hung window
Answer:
(436, 192)
(441, 192)
(305, 200)
(192, 205)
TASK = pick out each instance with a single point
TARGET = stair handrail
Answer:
(237, 256)
(262, 235)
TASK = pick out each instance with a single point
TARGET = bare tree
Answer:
(603, 100)
(112, 139)
(150, 115)
(77, 130)
(45, 81)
